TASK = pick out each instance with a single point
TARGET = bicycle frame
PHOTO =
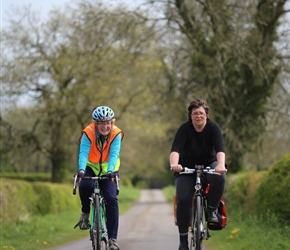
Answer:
(199, 228)
(98, 227)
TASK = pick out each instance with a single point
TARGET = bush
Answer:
(21, 199)
(31, 177)
(273, 193)
(17, 200)
(241, 189)
(44, 198)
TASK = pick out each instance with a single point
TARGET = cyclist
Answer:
(100, 145)
(197, 141)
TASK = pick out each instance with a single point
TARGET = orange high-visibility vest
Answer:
(99, 152)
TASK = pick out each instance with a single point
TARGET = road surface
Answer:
(148, 225)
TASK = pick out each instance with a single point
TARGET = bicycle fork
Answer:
(92, 218)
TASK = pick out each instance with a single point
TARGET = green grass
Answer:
(127, 196)
(250, 232)
(246, 231)
(169, 191)
(243, 232)
(42, 232)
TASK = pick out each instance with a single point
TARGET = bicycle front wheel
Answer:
(103, 226)
(96, 236)
(197, 223)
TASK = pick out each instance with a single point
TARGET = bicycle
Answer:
(199, 228)
(98, 229)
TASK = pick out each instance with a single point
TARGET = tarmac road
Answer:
(148, 225)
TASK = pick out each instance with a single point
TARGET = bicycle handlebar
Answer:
(94, 178)
(75, 184)
(199, 168)
(194, 170)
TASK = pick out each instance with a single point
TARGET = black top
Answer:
(198, 147)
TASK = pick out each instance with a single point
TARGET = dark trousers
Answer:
(184, 194)
(109, 191)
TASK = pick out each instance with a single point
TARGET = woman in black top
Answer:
(198, 141)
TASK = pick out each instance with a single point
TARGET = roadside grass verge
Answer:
(250, 232)
(51, 230)
(40, 232)
(246, 231)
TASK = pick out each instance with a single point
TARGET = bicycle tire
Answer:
(196, 223)
(96, 236)
(103, 227)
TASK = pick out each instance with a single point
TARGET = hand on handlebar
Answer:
(111, 176)
(220, 168)
(81, 174)
(176, 168)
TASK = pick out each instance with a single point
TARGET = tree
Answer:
(86, 56)
(147, 69)
(230, 59)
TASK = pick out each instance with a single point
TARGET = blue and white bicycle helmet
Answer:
(103, 113)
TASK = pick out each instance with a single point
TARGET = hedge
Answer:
(21, 199)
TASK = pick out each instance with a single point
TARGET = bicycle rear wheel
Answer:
(197, 226)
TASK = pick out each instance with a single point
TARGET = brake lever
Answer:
(75, 184)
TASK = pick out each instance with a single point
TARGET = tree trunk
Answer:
(58, 166)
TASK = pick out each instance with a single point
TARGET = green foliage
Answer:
(31, 177)
(250, 232)
(265, 192)
(41, 232)
(127, 195)
(142, 184)
(273, 193)
(251, 225)
(147, 81)
(169, 191)
(41, 226)
(232, 65)
(241, 189)
(43, 195)
(63, 72)
(20, 199)
(126, 181)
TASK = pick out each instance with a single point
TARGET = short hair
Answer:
(197, 103)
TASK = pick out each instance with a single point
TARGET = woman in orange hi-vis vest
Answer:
(100, 146)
